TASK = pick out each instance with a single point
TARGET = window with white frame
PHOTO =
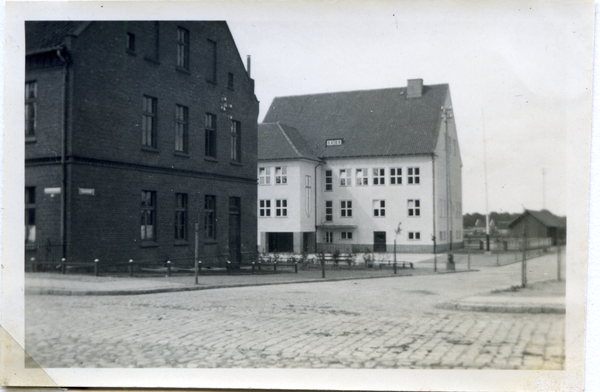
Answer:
(264, 175)
(328, 211)
(414, 207)
(414, 235)
(281, 207)
(379, 176)
(281, 175)
(362, 177)
(328, 180)
(345, 177)
(413, 175)
(329, 237)
(346, 235)
(346, 208)
(379, 208)
(264, 208)
(396, 176)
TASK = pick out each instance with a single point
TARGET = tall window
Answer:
(414, 235)
(181, 202)
(30, 215)
(378, 176)
(281, 175)
(181, 128)
(396, 176)
(281, 207)
(362, 177)
(149, 122)
(236, 146)
(264, 175)
(30, 108)
(413, 175)
(328, 211)
(345, 177)
(414, 207)
(212, 61)
(328, 180)
(379, 208)
(346, 208)
(210, 136)
(264, 208)
(329, 237)
(210, 217)
(183, 48)
(148, 224)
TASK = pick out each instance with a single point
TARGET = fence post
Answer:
(323, 266)
(96, 261)
(296, 267)
(259, 269)
(199, 268)
(469, 258)
(63, 265)
(228, 267)
(253, 272)
(131, 268)
(168, 268)
(524, 263)
(274, 266)
(33, 266)
(395, 256)
(196, 261)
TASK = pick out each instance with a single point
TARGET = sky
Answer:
(514, 71)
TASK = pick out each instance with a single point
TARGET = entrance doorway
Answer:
(235, 243)
(379, 243)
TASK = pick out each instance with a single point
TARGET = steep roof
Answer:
(49, 34)
(370, 122)
(279, 141)
(547, 218)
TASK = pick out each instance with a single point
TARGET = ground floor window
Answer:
(346, 235)
(329, 237)
(414, 235)
(280, 242)
(210, 217)
(181, 202)
(148, 222)
(30, 215)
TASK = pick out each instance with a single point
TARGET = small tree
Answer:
(336, 256)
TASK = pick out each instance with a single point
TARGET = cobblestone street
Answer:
(374, 323)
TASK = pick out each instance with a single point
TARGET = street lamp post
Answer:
(397, 231)
(434, 254)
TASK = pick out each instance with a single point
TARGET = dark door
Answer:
(308, 239)
(379, 241)
(281, 242)
(235, 241)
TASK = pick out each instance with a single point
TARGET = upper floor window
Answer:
(362, 177)
(414, 207)
(211, 73)
(264, 175)
(345, 177)
(210, 217)
(30, 215)
(379, 208)
(328, 180)
(30, 108)
(181, 203)
(281, 175)
(328, 211)
(131, 42)
(378, 176)
(346, 208)
(183, 48)
(396, 176)
(264, 208)
(181, 128)
(148, 223)
(210, 135)
(413, 175)
(281, 208)
(149, 122)
(236, 146)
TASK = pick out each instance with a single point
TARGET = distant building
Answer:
(540, 225)
(343, 170)
(134, 133)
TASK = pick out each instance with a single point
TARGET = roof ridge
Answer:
(288, 139)
(358, 91)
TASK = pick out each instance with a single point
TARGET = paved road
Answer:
(378, 323)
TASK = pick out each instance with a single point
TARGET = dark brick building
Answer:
(134, 133)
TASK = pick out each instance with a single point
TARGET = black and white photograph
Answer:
(381, 195)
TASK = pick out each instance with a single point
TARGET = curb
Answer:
(506, 308)
(457, 272)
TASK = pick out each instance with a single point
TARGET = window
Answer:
(362, 177)
(281, 175)
(148, 223)
(414, 235)
(329, 237)
(30, 108)
(181, 202)
(346, 235)
(211, 73)
(414, 207)
(236, 146)
(345, 177)
(210, 217)
(328, 211)
(149, 122)
(379, 208)
(328, 180)
(281, 207)
(346, 208)
(183, 48)
(131, 42)
(210, 135)
(413, 175)
(396, 176)
(181, 128)
(264, 208)
(264, 175)
(230, 80)
(378, 176)
(30, 215)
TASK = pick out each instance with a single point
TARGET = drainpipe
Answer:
(316, 231)
(434, 216)
(63, 166)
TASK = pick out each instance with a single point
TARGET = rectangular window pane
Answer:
(210, 139)
(210, 205)
(183, 47)
(148, 216)
(236, 141)
(148, 122)
(181, 216)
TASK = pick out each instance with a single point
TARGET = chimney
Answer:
(414, 88)
(249, 64)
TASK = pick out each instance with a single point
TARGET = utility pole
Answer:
(446, 114)
(487, 211)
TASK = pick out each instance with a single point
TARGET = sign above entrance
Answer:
(334, 142)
